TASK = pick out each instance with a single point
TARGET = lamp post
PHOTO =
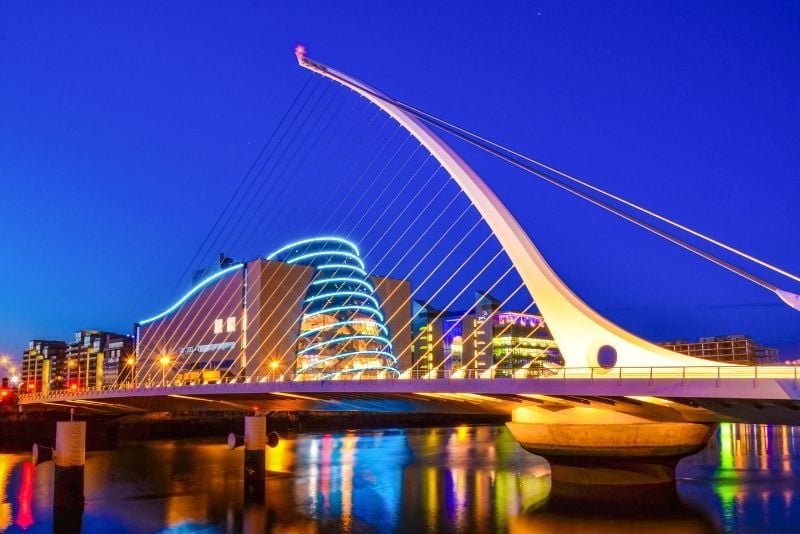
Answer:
(273, 366)
(131, 361)
(164, 360)
(70, 365)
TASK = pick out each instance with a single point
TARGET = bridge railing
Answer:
(718, 374)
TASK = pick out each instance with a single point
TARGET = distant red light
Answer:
(73, 387)
(31, 386)
(3, 393)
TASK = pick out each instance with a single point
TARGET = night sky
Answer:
(126, 126)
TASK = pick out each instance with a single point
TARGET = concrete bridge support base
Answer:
(69, 457)
(607, 457)
(255, 444)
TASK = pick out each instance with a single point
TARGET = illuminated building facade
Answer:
(307, 310)
(40, 361)
(84, 363)
(118, 359)
(342, 329)
(482, 338)
(427, 350)
(737, 349)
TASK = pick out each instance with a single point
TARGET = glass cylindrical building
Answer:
(342, 331)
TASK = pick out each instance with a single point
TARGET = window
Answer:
(231, 326)
(217, 326)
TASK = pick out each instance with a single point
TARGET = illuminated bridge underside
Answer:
(579, 331)
(748, 399)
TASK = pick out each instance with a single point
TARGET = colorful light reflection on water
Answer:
(464, 479)
(747, 478)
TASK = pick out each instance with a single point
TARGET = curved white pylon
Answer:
(579, 331)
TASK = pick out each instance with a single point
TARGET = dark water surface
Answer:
(464, 479)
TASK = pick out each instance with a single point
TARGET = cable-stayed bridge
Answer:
(408, 285)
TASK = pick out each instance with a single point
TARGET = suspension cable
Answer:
(489, 147)
(498, 150)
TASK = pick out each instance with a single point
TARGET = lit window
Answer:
(231, 326)
(217, 326)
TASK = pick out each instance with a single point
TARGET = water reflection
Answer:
(747, 478)
(5, 505)
(464, 479)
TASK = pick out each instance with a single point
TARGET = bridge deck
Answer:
(755, 394)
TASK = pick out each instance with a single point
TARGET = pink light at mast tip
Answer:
(300, 52)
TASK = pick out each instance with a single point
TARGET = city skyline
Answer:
(126, 164)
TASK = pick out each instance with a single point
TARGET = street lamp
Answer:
(164, 362)
(273, 365)
(70, 364)
(131, 361)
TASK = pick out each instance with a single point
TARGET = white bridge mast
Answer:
(584, 337)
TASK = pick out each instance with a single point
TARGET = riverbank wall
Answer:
(19, 431)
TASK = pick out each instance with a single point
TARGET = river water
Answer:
(464, 479)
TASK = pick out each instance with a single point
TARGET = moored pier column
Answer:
(602, 456)
(255, 443)
(69, 457)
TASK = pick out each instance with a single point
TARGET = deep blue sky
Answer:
(125, 126)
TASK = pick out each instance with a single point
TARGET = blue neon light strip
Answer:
(380, 339)
(357, 307)
(326, 253)
(344, 323)
(376, 368)
(346, 354)
(315, 240)
(192, 292)
(355, 294)
(323, 281)
(342, 266)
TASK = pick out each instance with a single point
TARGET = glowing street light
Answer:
(130, 362)
(70, 365)
(164, 361)
(273, 366)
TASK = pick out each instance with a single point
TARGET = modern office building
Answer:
(39, 362)
(427, 350)
(481, 339)
(739, 349)
(84, 365)
(119, 359)
(49, 365)
(308, 310)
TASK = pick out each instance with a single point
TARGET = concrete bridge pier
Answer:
(255, 441)
(255, 444)
(604, 457)
(69, 457)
